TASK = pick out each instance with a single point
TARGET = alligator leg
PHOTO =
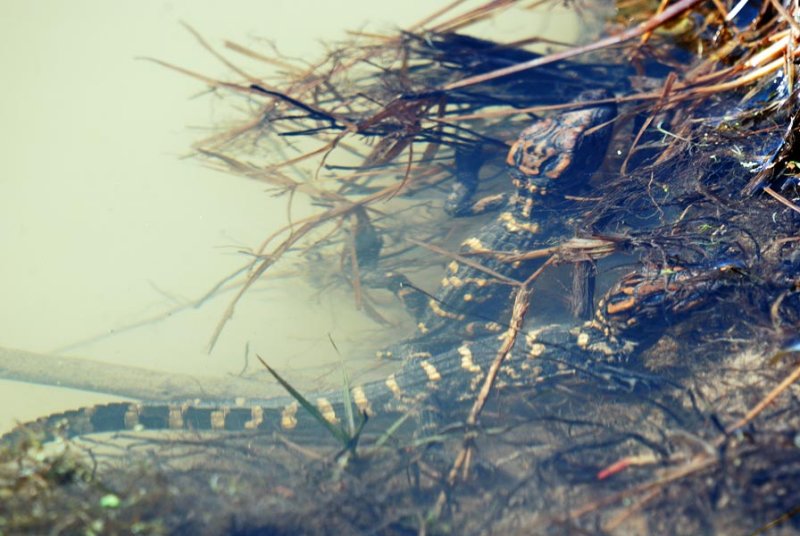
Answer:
(469, 160)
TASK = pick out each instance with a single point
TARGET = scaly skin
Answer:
(549, 159)
(448, 380)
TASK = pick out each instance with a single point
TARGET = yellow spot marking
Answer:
(326, 408)
(537, 349)
(531, 336)
(468, 297)
(453, 281)
(512, 153)
(622, 305)
(603, 347)
(218, 419)
(481, 204)
(430, 371)
(175, 419)
(493, 327)
(466, 359)
(131, 418)
(592, 324)
(422, 328)
(256, 418)
(528, 207)
(438, 311)
(514, 225)
(453, 266)
(583, 339)
(391, 383)
(506, 336)
(476, 382)
(240, 401)
(510, 371)
(360, 398)
(474, 245)
(289, 416)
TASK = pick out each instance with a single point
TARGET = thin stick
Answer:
(435, 15)
(220, 57)
(657, 107)
(781, 199)
(766, 401)
(520, 308)
(128, 382)
(627, 35)
(466, 261)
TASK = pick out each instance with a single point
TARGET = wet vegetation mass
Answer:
(649, 177)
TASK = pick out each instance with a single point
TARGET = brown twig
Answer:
(467, 261)
(652, 23)
(307, 225)
(766, 401)
(129, 382)
(519, 310)
(782, 200)
(220, 57)
(657, 107)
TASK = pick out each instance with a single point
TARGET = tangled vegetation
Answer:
(702, 168)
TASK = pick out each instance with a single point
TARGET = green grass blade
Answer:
(392, 429)
(347, 402)
(337, 432)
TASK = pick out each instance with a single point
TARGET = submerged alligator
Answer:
(598, 348)
(441, 364)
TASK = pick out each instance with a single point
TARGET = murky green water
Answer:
(103, 224)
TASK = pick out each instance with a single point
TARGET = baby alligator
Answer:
(541, 354)
(550, 155)
(550, 158)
